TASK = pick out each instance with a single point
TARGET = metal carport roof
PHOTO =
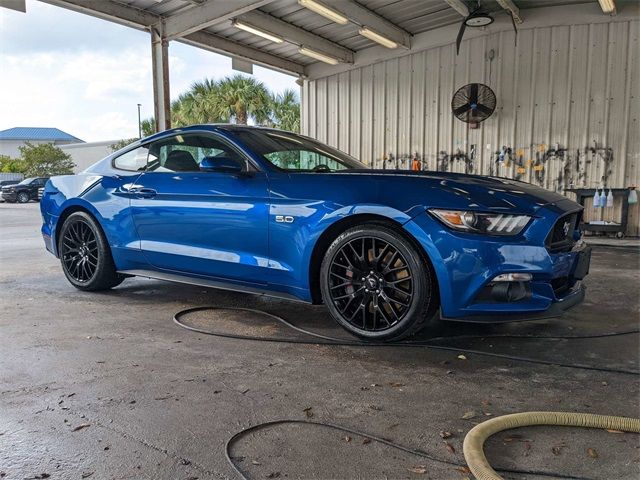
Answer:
(209, 24)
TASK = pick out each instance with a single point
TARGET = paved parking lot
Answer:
(105, 385)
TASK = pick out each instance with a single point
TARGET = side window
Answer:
(134, 160)
(303, 160)
(183, 153)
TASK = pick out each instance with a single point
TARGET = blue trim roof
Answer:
(37, 133)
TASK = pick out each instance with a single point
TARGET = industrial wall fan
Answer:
(473, 103)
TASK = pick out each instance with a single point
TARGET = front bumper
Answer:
(10, 196)
(556, 309)
(466, 264)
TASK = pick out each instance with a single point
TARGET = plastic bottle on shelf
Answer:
(633, 196)
(596, 199)
(610, 199)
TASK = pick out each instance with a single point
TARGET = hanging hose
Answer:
(474, 441)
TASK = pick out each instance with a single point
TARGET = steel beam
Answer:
(366, 18)
(143, 20)
(160, 73)
(297, 35)
(207, 14)
(17, 5)
(108, 10)
(218, 44)
(459, 6)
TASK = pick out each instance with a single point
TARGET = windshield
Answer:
(294, 153)
(26, 181)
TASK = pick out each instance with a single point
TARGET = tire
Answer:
(85, 254)
(23, 197)
(377, 285)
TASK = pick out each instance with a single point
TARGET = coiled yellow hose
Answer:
(474, 441)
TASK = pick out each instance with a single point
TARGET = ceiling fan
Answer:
(479, 18)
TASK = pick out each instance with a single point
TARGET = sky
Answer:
(85, 75)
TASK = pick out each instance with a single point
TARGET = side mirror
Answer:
(220, 164)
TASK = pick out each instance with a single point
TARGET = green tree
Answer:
(11, 165)
(241, 98)
(148, 127)
(285, 111)
(121, 144)
(233, 99)
(200, 104)
(45, 160)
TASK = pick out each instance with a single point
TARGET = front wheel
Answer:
(377, 285)
(23, 197)
(85, 254)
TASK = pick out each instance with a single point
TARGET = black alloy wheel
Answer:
(376, 284)
(85, 254)
(79, 251)
(23, 197)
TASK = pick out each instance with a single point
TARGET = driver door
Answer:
(211, 224)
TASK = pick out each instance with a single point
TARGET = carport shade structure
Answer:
(312, 32)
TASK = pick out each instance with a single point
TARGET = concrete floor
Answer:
(107, 386)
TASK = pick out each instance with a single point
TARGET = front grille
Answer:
(560, 238)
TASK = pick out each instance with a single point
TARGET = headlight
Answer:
(478, 222)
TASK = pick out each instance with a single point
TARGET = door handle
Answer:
(142, 192)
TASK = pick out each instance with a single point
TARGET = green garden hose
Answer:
(474, 441)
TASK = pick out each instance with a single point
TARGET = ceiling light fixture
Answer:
(376, 37)
(608, 6)
(322, 9)
(318, 56)
(256, 31)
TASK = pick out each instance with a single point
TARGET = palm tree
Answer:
(285, 109)
(199, 105)
(242, 97)
(236, 98)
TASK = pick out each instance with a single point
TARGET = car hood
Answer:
(456, 190)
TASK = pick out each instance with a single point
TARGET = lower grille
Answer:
(560, 285)
(560, 238)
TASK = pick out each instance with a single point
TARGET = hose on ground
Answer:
(419, 453)
(429, 344)
(474, 440)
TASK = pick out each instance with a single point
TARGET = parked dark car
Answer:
(24, 191)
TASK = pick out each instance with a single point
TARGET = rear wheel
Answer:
(23, 197)
(85, 254)
(376, 284)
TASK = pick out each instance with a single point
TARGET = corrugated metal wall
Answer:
(567, 114)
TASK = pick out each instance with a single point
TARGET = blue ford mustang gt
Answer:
(266, 211)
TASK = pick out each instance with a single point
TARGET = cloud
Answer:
(47, 28)
(86, 76)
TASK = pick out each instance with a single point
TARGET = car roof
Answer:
(228, 127)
